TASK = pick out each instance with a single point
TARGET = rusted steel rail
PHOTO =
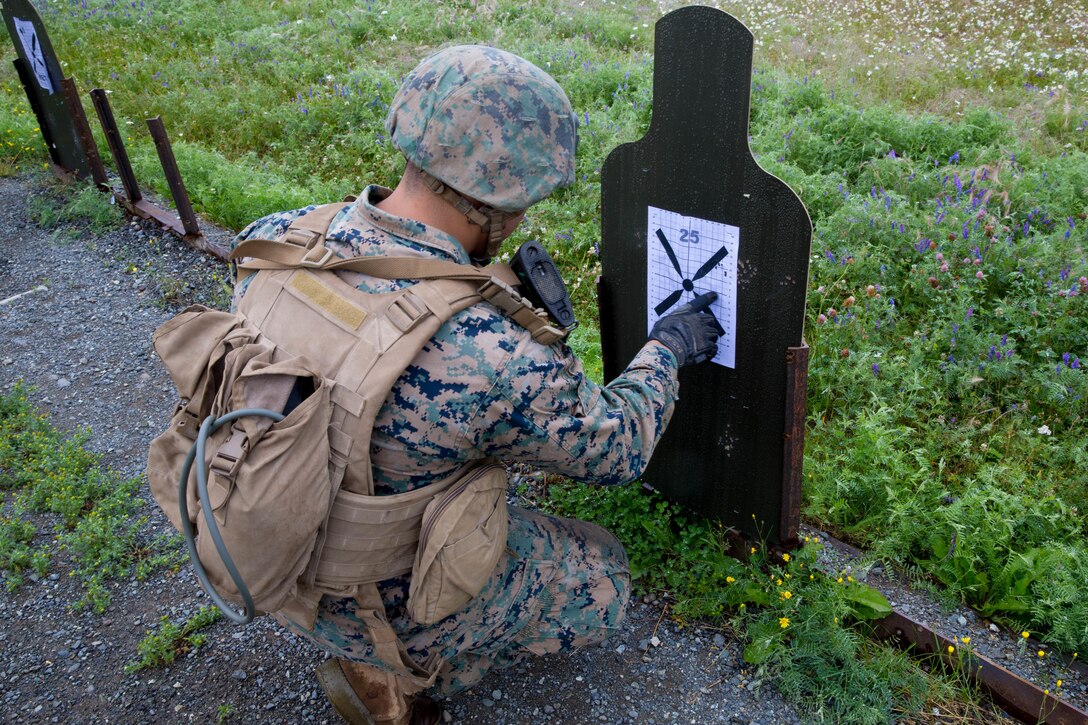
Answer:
(793, 444)
(1016, 696)
(133, 199)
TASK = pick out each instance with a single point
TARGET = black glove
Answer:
(691, 332)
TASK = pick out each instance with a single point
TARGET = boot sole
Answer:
(341, 695)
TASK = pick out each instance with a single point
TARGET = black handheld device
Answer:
(541, 283)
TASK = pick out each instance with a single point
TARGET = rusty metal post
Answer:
(173, 176)
(117, 146)
(793, 442)
(83, 129)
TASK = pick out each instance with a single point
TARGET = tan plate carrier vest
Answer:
(300, 315)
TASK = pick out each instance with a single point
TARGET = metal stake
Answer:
(90, 148)
(793, 443)
(117, 146)
(173, 176)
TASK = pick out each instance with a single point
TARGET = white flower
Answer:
(1044, 430)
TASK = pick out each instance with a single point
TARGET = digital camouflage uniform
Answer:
(482, 387)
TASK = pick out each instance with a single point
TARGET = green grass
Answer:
(942, 153)
(87, 209)
(56, 497)
(163, 646)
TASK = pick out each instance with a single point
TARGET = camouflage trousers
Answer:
(561, 584)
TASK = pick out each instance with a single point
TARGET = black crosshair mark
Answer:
(687, 284)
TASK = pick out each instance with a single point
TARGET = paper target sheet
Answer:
(29, 38)
(686, 256)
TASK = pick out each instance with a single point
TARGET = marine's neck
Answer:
(415, 201)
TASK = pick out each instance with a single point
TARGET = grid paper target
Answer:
(686, 256)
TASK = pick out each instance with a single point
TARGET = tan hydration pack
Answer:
(265, 466)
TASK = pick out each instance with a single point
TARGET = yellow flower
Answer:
(849, 578)
(1059, 683)
(778, 583)
(729, 580)
(810, 576)
(1042, 654)
(951, 649)
(787, 594)
(785, 557)
(1025, 634)
(753, 550)
(965, 640)
(840, 580)
(784, 622)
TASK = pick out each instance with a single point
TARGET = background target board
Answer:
(42, 78)
(687, 209)
(685, 257)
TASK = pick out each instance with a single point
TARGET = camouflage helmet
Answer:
(488, 124)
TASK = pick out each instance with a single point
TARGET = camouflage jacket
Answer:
(483, 387)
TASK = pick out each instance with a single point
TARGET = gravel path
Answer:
(81, 335)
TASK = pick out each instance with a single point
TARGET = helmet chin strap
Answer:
(489, 219)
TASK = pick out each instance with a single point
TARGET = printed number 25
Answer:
(690, 236)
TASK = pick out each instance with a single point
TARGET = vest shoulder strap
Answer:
(303, 246)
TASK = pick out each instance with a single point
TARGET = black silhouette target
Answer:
(41, 75)
(730, 450)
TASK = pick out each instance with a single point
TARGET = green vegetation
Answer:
(88, 208)
(942, 153)
(48, 480)
(162, 647)
(804, 626)
(225, 712)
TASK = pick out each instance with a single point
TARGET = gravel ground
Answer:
(81, 335)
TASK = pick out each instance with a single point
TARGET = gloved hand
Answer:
(691, 331)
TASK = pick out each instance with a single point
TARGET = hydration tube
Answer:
(210, 425)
